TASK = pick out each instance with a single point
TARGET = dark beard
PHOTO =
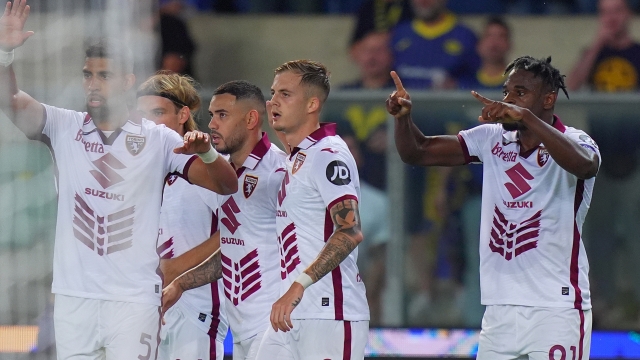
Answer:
(513, 126)
(232, 145)
(98, 115)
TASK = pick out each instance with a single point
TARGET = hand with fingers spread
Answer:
(498, 111)
(195, 142)
(282, 309)
(12, 25)
(399, 102)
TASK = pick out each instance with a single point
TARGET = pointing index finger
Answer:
(481, 98)
(397, 81)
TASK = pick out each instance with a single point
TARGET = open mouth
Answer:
(275, 115)
(95, 101)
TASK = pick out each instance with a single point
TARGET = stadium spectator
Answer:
(111, 166)
(533, 266)
(493, 47)
(434, 51)
(319, 228)
(198, 327)
(380, 16)
(612, 62)
(177, 46)
(372, 54)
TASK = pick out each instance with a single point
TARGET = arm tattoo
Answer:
(295, 302)
(207, 272)
(345, 238)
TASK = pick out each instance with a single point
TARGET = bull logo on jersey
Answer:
(104, 234)
(135, 144)
(300, 157)
(171, 179)
(250, 183)
(512, 239)
(241, 279)
(288, 244)
(543, 156)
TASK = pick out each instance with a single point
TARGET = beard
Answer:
(232, 144)
(513, 126)
(98, 114)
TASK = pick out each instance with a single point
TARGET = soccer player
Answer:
(249, 261)
(110, 170)
(538, 180)
(197, 326)
(317, 316)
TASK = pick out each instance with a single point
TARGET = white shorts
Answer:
(90, 329)
(182, 339)
(248, 349)
(535, 333)
(316, 339)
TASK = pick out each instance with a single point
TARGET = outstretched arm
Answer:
(582, 68)
(172, 268)
(22, 109)
(209, 171)
(414, 147)
(568, 154)
(345, 238)
(207, 272)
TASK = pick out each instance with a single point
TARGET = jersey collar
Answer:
(258, 152)
(512, 136)
(131, 126)
(326, 129)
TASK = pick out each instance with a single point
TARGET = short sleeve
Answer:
(584, 140)
(274, 183)
(210, 198)
(58, 120)
(175, 163)
(474, 140)
(336, 176)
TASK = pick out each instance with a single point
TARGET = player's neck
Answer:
(116, 119)
(238, 157)
(527, 139)
(295, 137)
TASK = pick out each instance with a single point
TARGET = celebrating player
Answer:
(538, 180)
(111, 168)
(318, 228)
(249, 259)
(196, 328)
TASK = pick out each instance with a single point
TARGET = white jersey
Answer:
(185, 222)
(531, 250)
(109, 194)
(248, 241)
(320, 173)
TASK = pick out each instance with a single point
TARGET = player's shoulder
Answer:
(331, 147)
(580, 136)
(59, 113)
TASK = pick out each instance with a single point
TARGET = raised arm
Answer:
(209, 271)
(582, 68)
(19, 107)
(414, 147)
(172, 268)
(568, 154)
(209, 171)
(346, 236)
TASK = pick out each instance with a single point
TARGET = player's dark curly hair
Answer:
(540, 68)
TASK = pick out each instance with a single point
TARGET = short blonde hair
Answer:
(180, 89)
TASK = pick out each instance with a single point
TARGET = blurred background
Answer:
(419, 260)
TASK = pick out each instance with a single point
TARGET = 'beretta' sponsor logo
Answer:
(509, 156)
(94, 147)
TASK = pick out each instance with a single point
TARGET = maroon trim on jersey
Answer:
(215, 300)
(574, 270)
(346, 352)
(465, 151)
(336, 274)
(581, 342)
(558, 125)
(333, 203)
(165, 246)
(325, 129)
(185, 171)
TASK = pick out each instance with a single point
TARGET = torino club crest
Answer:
(135, 144)
(250, 183)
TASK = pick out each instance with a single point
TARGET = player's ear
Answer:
(313, 105)
(550, 100)
(183, 115)
(253, 119)
(129, 81)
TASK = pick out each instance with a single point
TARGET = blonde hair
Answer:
(312, 73)
(180, 89)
